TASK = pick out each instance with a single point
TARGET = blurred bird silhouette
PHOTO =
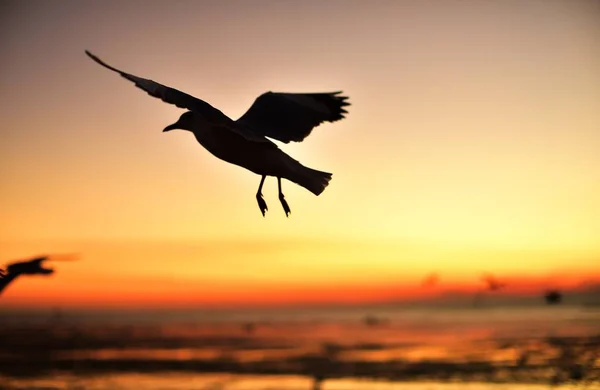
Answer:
(553, 297)
(282, 116)
(32, 266)
(430, 280)
(493, 284)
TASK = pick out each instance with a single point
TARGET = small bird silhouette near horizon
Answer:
(493, 284)
(282, 116)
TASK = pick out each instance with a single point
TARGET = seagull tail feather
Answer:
(311, 179)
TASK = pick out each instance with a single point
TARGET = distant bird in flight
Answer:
(29, 267)
(282, 116)
(493, 284)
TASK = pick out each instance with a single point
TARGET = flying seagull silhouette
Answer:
(31, 266)
(282, 116)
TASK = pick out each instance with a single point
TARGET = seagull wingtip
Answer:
(89, 54)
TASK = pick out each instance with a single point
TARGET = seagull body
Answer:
(243, 142)
(262, 158)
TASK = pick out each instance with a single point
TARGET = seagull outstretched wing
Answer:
(29, 267)
(292, 116)
(181, 100)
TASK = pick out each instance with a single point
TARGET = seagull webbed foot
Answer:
(261, 203)
(285, 205)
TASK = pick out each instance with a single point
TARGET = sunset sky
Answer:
(472, 145)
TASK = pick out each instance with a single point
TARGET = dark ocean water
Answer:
(335, 348)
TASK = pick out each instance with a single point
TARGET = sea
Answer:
(327, 348)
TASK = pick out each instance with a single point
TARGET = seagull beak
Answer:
(171, 127)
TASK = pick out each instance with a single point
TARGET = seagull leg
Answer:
(259, 198)
(286, 208)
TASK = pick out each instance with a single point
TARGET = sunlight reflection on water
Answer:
(238, 382)
(449, 346)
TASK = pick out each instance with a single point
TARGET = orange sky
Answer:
(471, 146)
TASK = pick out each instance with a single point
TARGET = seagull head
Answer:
(187, 121)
